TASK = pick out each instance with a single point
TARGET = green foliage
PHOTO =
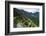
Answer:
(26, 21)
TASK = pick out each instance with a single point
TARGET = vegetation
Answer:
(24, 19)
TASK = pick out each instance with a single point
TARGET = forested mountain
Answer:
(26, 17)
(36, 14)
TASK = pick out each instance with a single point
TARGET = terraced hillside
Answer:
(24, 19)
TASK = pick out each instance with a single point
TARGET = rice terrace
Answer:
(26, 18)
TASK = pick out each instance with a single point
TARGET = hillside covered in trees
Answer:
(25, 19)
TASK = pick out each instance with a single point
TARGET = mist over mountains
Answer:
(24, 18)
(21, 11)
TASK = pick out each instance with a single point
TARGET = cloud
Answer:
(33, 10)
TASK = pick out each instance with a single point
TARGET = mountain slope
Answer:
(27, 19)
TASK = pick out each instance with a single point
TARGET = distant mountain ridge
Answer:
(25, 18)
(36, 14)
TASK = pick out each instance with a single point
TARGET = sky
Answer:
(33, 10)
